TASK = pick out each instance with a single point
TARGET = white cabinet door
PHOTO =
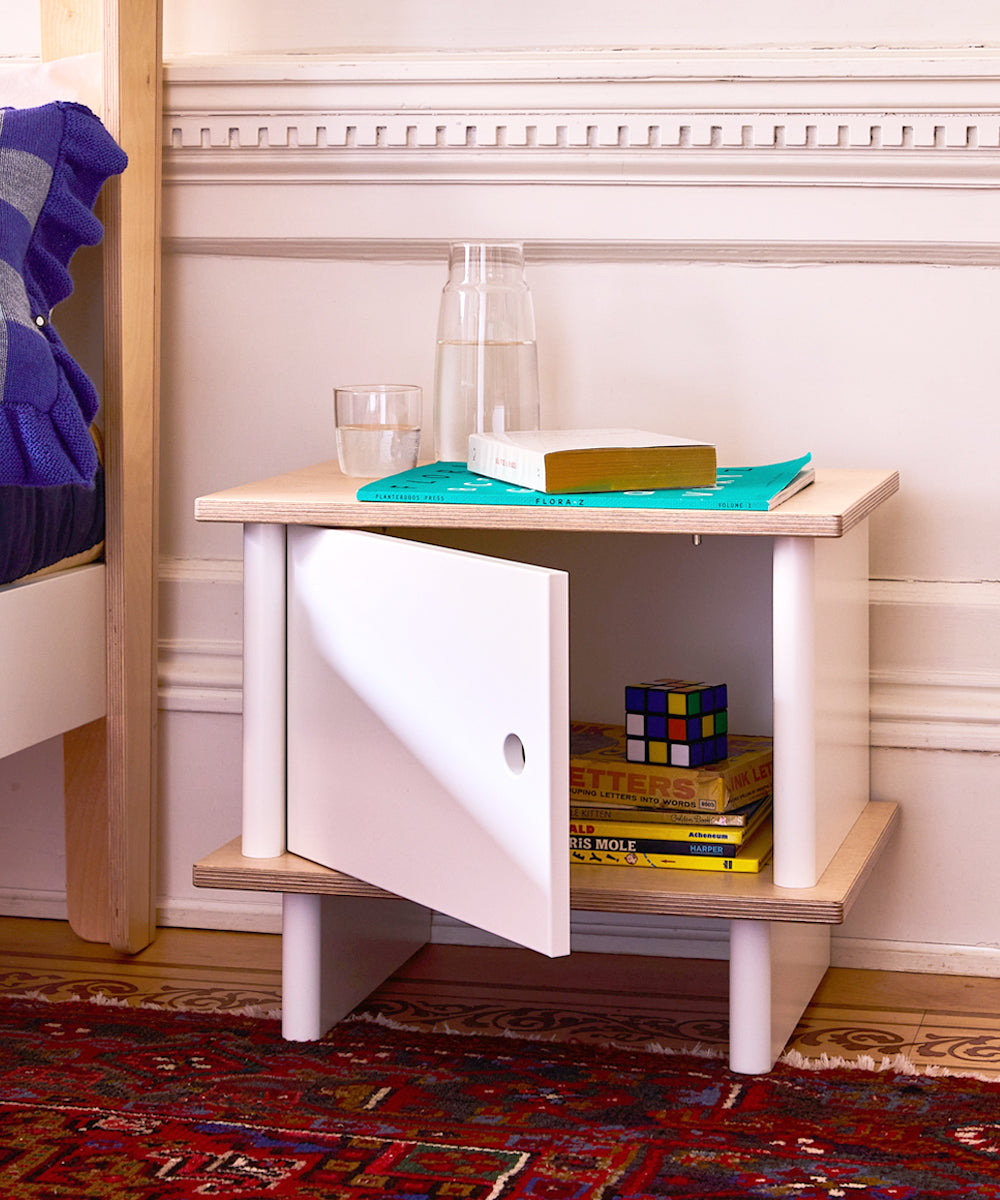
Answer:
(428, 726)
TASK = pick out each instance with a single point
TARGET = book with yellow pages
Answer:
(592, 460)
(749, 858)
(663, 830)
(676, 818)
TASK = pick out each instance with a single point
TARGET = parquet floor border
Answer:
(623, 1000)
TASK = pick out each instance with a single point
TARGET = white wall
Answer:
(20, 37)
(225, 27)
(803, 258)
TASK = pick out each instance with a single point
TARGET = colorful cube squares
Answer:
(635, 749)
(656, 726)
(676, 722)
(678, 697)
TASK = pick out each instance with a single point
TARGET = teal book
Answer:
(753, 489)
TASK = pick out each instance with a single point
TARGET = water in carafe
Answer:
(486, 377)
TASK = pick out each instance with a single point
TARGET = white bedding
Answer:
(28, 84)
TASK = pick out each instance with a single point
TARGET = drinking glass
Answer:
(378, 428)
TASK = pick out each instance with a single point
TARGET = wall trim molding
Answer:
(266, 159)
(204, 676)
(940, 710)
(604, 933)
(591, 932)
(909, 709)
(611, 933)
(933, 709)
(929, 706)
(901, 120)
(932, 958)
(46, 905)
(602, 251)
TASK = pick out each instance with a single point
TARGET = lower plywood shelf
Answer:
(616, 889)
(341, 936)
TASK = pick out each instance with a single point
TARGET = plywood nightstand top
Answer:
(321, 495)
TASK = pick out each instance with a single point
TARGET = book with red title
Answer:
(601, 776)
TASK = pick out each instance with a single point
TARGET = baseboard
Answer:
(262, 914)
(676, 940)
(932, 958)
(42, 905)
(590, 932)
(603, 934)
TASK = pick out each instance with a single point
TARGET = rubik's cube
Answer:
(676, 723)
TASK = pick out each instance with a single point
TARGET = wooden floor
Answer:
(943, 1020)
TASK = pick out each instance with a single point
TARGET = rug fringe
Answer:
(697, 1050)
(897, 1064)
(257, 1011)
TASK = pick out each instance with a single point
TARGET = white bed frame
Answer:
(99, 691)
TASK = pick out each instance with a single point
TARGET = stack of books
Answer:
(712, 818)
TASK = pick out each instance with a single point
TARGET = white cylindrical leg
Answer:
(750, 1013)
(335, 950)
(301, 967)
(794, 640)
(264, 608)
(775, 968)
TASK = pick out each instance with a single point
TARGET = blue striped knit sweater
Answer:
(53, 162)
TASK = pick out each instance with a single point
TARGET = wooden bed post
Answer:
(127, 33)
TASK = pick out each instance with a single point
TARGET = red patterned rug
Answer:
(135, 1104)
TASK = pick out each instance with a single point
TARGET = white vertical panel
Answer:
(428, 727)
(263, 690)
(335, 950)
(821, 726)
(842, 689)
(774, 969)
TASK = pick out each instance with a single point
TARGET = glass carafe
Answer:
(486, 374)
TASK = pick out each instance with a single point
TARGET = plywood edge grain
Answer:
(320, 495)
(617, 889)
(746, 896)
(228, 868)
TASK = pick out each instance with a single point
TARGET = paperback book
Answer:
(749, 858)
(601, 775)
(659, 846)
(751, 489)
(592, 460)
(661, 829)
(674, 819)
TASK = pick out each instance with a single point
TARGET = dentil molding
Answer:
(901, 118)
(723, 159)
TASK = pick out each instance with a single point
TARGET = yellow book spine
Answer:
(600, 774)
(749, 859)
(681, 862)
(665, 831)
